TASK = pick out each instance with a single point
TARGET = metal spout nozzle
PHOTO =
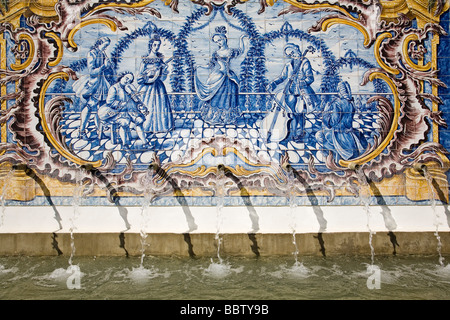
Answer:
(419, 167)
(153, 166)
(354, 166)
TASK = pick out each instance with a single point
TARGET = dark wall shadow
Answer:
(113, 194)
(386, 212)
(188, 240)
(122, 243)
(389, 220)
(393, 239)
(30, 173)
(316, 208)
(179, 196)
(178, 193)
(114, 198)
(245, 196)
(254, 218)
(55, 244)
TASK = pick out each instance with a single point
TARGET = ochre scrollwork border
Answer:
(386, 26)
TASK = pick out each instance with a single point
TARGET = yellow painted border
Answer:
(81, 25)
(393, 128)
(126, 5)
(56, 145)
(3, 91)
(376, 47)
(21, 66)
(59, 57)
(389, 8)
(408, 39)
(413, 8)
(203, 171)
(435, 88)
(307, 6)
(333, 21)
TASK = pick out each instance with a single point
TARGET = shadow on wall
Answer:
(114, 198)
(29, 172)
(184, 205)
(45, 190)
(245, 195)
(316, 207)
(387, 216)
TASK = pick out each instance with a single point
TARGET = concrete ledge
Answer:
(245, 231)
(231, 219)
(198, 244)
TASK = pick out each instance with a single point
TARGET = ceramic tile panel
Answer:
(127, 98)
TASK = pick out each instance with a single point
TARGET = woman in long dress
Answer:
(152, 73)
(220, 94)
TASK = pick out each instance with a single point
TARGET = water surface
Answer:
(263, 278)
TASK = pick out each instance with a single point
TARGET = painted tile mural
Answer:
(177, 98)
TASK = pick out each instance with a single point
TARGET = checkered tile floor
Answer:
(190, 128)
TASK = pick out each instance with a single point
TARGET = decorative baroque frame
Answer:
(387, 27)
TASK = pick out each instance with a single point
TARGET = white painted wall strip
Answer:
(36, 219)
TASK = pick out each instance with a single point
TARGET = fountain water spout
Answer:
(142, 274)
(425, 171)
(77, 195)
(420, 167)
(147, 184)
(220, 269)
(365, 199)
(220, 204)
(73, 280)
(292, 208)
(354, 166)
(373, 270)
